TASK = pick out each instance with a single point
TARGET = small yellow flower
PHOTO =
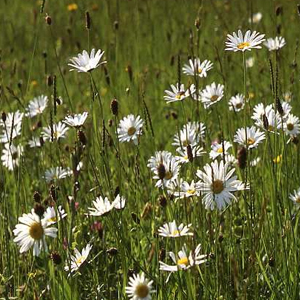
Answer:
(277, 159)
(72, 7)
(34, 83)
(251, 95)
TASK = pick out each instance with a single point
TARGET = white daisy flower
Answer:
(183, 189)
(12, 120)
(78, 259)
(236, 103)
(130, 128)
(296, 197)
(256, 18)
(219, 149)
(85, 62)
(249, 137)
(217, 185)
(238, 42)
(36, 106)
(250, 62)
(275, 44)
(35, 142)
(273, 121)
(179, 93)
(211, 94)
(139, 288)
(8, 134)
(254, 162)
(32, 232)
(56, 173)
(11, 156)
(103, 206)
(184, 158)
(292, 126)
(51, 216)
(198, 68)
(76, 120)
(59, 132)
(171, 230)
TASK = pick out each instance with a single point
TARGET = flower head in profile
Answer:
(249, 137)
(11, 156)
(240, 42)
(55, 132)
(139, 288)
(56, 173)
(172, 230)
(130, 128)
(211, 94)
(85, 62)
(295, 197)
(53, 215)
(182, 189)
(78, 259)
(275, 44)
(36, 106)
(217, 185)
(178, 93)
(219, 149)
(76, 120)
(236, 103)
(198, 68)
(31, 232)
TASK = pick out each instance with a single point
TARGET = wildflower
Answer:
(277, 159)
(130, 128)
(236, 103)
(238, 42)
(103, 206)
(56, 173)
(12, 119)
(35, 142)
(296, 197)
(52, 217)
(183, 189)
(212, 94)
(184, 155)
(32, 232)
(171, 230)
(56, 132)
(179, 93)
(254, 162)
(250, 62)
(36, 106)
(78, 259)
(76, 120)
(11, 155)
(249, 137)
(72, 7)
(197, 67)
(10, 133)
(219, 149)
(217, 185)
(139, 288)
(85, 62)
(275, 44)
(292, 126)
(256, 18)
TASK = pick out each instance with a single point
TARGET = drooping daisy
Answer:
(58, 131)
(236, 103)
(219, 149)
(76, 120)
(36, 106)
(171, 230)
(130, 128)
(238, 42)
(103, 206)
(275, 44)
(78, 259)
(198, 68)
(217, 185)
(184, 261)
(32, 232)
(51, 216)
(296, 197)
(211, 94)
(179, 93)
(85, 62)
(249, 137)
(139, 287)
(11, 156)
(292, 126)
(56, 173)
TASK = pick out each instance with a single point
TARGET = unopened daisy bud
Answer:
(189, 152)
(161, 170)
(265, 122)
(37, 197)
(49, 80)
(81, 137)
(135, 218)
(279, 107)
(3, 116)
(114, 106)
(87, 20)
(48, 20)
(147, 210)
(56, 258)
(39, 209)
(242, 158)
(116, 25)
(162, 201)
(112, 251)
(197, 23)
(162, 254)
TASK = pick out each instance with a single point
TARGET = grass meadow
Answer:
(238, 202)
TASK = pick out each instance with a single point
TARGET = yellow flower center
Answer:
(54, 219)
(290, 126)
(298, 200)
(220, 150)
(200, 70)
(183, 261)
(80, 260)
(243, 45)
(176, 232)
(179, 95)
(131, 131)
(191, 192)
(214, 98)
(271, 128)
(277, 159)
(250, 141)
(36, 231)
(217, 186)
(142, 290)
(72, 7)
(168, 175)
